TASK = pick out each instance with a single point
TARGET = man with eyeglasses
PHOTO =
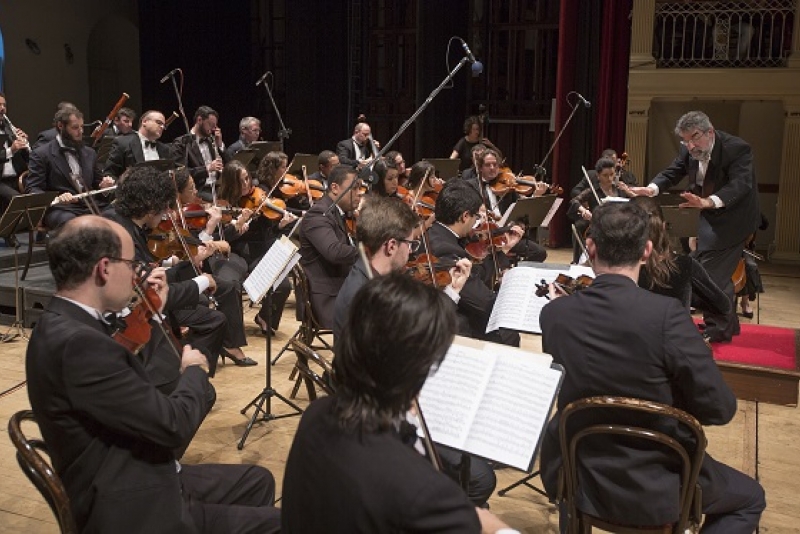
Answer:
(385, 228)
(722, 184)
(110, 433)
(128, 150)
(249, 132)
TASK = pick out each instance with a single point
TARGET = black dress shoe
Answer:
(241, 362)
(748, 315)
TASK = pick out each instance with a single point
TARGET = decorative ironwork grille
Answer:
(719, 34)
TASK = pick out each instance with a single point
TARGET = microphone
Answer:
(477, 68)
(169, 75)
(467, 51)
(586, 103)
(261, 80)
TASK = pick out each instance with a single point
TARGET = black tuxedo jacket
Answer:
(126, 151)
(365, 482)
(346, 150)
(730, 170)
(110, 433)
(326, 255)
(615, 338)
(477, 299)
(44, 137)
(232, 150)
(185, 150)
(49, 171)
(19, 160)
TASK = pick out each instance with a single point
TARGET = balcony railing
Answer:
(718, 34)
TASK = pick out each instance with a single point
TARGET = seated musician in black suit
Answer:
(353, 466)
(143, 197)
(650, 350)
(325, 163)
(249, 132)
(488, 167)
(457, 209)
(201, 150)
(144, 145)
(123, 123)
(110, 433)
(66, 165)
(385, 228)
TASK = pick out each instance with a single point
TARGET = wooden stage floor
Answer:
(777, 427)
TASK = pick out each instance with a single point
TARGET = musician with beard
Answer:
(66, 165)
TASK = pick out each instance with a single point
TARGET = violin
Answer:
(291, 186)
(164, 244)
(523, 185)
(257, 200)
(483, 238)
(566, 283)
(430, 270)
(137, 329)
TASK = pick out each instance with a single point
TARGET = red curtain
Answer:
(565, 82)
(612, 94)
(610, 104)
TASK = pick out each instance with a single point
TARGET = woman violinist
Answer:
(393, 156)
(229, 270)
(251, 235)
(387, 184)
(580, 207)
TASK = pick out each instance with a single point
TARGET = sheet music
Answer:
(449, 399)
(490, 400)
(504, 219)
(513, 411)
(271, 270)
(553, 210)
(517, 307)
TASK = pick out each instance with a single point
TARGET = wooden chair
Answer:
(599, 409)
(309, 329)
(308, 375)
(39, 471)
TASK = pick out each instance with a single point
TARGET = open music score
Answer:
(276, 264)
(517, 307)
(491, 401)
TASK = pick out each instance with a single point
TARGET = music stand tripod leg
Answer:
(265, 397)
(523, 482)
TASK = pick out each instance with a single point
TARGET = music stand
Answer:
(260, 285)
(245, 156)
(25, 212)
(446, 168)
(533, 210)
(311, 162)
(681, 222)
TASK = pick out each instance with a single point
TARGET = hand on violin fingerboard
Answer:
(157, 279)
(514, 235)
(459, 274)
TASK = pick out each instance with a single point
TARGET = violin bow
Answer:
(591, 185)
(305, 181)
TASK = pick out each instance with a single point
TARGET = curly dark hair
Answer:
(145, 191)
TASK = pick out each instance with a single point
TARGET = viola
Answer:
(483, 238)
(430, 270)
(566, 283)
(424, 207)
(165, 244)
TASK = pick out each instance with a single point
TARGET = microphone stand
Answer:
(284, 132)
(403, 127)
(540, 168)
(180, 101)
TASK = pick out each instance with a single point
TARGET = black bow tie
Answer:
(150, 144)
(113, 322)
(65, 149)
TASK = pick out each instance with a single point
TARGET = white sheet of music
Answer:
(517, 307)
(272, 269)
(490, 400)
